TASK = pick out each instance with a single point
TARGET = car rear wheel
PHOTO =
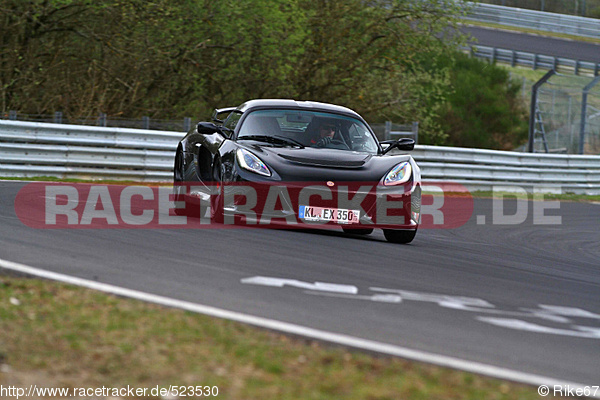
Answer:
(178, 187)
(399, 236)
(364, 231)
(216, 200)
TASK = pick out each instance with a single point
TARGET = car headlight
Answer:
(252, 163)
(399, 174)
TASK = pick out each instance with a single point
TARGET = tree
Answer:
(169, 58)
(483, 108)
(369, 56)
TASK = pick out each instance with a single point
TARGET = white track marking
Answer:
(345, 340)
(320, 286)
(511, 323)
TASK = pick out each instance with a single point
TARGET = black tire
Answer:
(399, 236)
(178, 180)
(216, 201)
(362, 231)
(178, 167)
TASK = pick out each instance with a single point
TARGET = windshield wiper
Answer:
(272, 139)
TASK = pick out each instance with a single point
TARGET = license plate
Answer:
(321, 214)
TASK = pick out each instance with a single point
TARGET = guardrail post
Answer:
(102, 119)
(576, 67)
(555, 64)
(534, 93)
(415, 131)
(145, 122)
(584, 96)
(12, 115)
(58, 117)
(388, 130)
(535, 61)
(187, 124)
(596, 69)
(513, 59)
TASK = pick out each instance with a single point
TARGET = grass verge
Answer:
(56, 335)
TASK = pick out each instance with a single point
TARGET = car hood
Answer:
(318, 157)
(293, 163)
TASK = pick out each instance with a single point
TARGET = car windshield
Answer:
(308, 129)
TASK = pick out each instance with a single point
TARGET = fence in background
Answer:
(391, 131)
(29, 149)
(530, 19)
(105, 120)
(565, 114)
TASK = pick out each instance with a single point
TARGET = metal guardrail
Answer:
(85, 156)
(531, 19)
(70, 151)
(29, 149)
(534, 61)
(37, 132)
(480, 169)
(104, 120)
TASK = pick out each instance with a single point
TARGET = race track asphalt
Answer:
(521, 296)
(545, 45)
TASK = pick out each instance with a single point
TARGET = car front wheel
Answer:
(362, 231)
(399, 236)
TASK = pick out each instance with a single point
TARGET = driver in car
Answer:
(326, 133)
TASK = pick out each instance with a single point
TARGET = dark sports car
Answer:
(300, 163)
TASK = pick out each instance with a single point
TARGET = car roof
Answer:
(303, 105)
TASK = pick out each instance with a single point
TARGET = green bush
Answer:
(482, 108)
(594, 13)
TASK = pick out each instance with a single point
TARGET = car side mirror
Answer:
(403, 144)
(406, 144)
(207, 128)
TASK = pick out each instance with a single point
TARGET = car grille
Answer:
(324, 163)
